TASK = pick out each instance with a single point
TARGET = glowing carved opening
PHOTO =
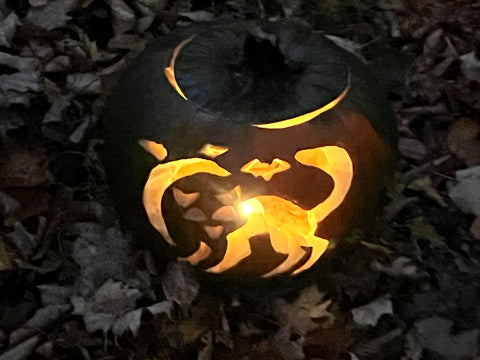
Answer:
(162, 176)
(212, 151)
(170, 70)
(156, 149)
(202, 253)
(265, 170)
(308, 116)
(290, 227)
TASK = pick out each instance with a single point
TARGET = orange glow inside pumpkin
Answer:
(212, 151)
(291, 228)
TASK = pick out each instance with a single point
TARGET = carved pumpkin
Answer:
(247, 147)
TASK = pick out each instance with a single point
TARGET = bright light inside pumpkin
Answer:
(247, 209)
(291, 229)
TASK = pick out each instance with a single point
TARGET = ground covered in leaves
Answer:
(74, 286)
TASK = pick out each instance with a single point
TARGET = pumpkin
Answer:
(245, 148)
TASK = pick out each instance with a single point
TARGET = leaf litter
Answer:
(98, 296)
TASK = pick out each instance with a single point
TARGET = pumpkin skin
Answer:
(232, 86)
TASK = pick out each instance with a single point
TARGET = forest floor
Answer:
(73, 285)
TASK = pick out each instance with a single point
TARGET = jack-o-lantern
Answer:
(247, 147)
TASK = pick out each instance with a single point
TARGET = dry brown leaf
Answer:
(304, 313)
(425, 184)
(463, 142)
(5, 263)
(110, 302)
(20, 167)
(412, 148)
(475, 228)
(180, 284)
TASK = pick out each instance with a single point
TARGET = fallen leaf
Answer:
(412, 148)
(423, 230)
(197, 16)
(123, 17)
(59, 63)
(207, 351)
(348, 45)
(466, 192)
(382, 345)
(10, 121)
(23, 64)
(425, 184)
(24, 241)
(54, 113)
(463, 140)
(128, 321)
(42, 319)
(53, 15)
(180, 284)
(368, 315)
(287, 346)
(38, 48)
(33, 202)
(475, 228)
(109, 303)
(17, 87)
(84, 83)
(20, 167)
(413, 347)
(102, 254)
(8, 27)
(401, 266)
(8, 204)
(434, 334)
(80, 131)
(124, 41)
(132, 319)
(21, 351)
(53, 294)
(5, 263)
(304, 313)
(470, 66)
